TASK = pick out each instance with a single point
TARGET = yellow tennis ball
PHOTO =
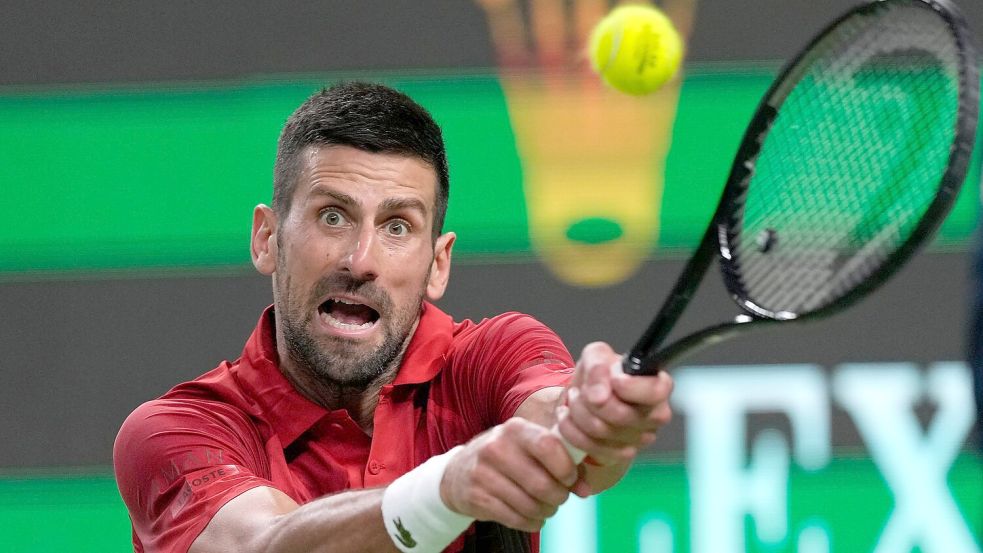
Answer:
(636, 49)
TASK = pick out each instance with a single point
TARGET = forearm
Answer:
(350, 521)
(267, 520)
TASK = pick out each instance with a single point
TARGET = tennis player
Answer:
(360, 417)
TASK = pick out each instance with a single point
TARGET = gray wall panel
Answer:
(77, 356)
(75, 42)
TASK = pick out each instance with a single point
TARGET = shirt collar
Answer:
(288, 412)
(291, 414)
(427, 352)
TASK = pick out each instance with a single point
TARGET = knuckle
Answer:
(663, 415)
(514, 520)
(540, 447)
(556, 498)
(541, 486)
(491, 452)
(480, 474)
(669, 383)
(622, 415)
(525, 508)
(626, 454)
(594, 348)
(482, 503)
(597, 428)
(550, 510)
(534, 524)
(512, 425)
(542, 510)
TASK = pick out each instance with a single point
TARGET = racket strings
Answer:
(852, 161)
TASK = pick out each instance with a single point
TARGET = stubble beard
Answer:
(339, 361)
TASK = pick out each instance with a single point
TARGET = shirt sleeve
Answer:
(177, 462)
(506, 359)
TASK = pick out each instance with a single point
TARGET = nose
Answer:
(361, 257)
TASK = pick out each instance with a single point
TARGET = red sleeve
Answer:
(178, 462)
(502, 361)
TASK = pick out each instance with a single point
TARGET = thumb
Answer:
(598, 359)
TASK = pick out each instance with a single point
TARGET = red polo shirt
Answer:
(180, 458)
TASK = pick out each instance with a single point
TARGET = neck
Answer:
(359, 401)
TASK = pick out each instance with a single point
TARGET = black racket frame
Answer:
(645, 358)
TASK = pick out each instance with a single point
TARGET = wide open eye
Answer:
(398, 227)
(332, 217)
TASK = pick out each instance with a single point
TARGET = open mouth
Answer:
(347, 314)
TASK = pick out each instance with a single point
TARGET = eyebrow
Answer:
(398, 204)
(339, 196)
(389, 204)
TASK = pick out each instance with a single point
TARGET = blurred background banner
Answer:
(137, 138)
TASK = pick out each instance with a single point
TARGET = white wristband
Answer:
(416, 517)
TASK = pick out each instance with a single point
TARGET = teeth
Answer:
(343, 325)
(344, 301)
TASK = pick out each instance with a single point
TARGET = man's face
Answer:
(354, 258)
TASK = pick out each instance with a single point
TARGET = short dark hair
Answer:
(368, 116)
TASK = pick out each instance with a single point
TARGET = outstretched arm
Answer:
(266, 519)
(517, 474)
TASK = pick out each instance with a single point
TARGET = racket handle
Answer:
(632, 364)
(575, 453)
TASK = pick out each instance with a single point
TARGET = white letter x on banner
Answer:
(881, 399)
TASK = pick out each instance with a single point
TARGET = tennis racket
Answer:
(852, 160)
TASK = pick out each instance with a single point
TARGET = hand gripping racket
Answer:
(852, 160)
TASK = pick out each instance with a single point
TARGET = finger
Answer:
(510, 488)
(600, 363)
(586, 14)
(618, 413)
(507, 31)
(491, 506)
(549, 451)
(681, 13)
(602, 432)
(643, 390)
(549, 31)
(602, 452)
(660, 416)
(534, 460)
(541, 493)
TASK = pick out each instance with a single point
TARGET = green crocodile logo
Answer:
(404, 537)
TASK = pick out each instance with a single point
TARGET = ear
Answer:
(440, 271)
(263, 246)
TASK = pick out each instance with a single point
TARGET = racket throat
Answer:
(649, 365)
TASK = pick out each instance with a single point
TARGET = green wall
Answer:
(166, 175)
(849, 497)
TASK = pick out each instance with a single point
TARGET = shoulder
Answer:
(178, 460)
(508, 341)
(164, 429)
(502, 328)
(183, 414)
(213, 398)
(197, 418)
(510, 338)
(498, 362)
